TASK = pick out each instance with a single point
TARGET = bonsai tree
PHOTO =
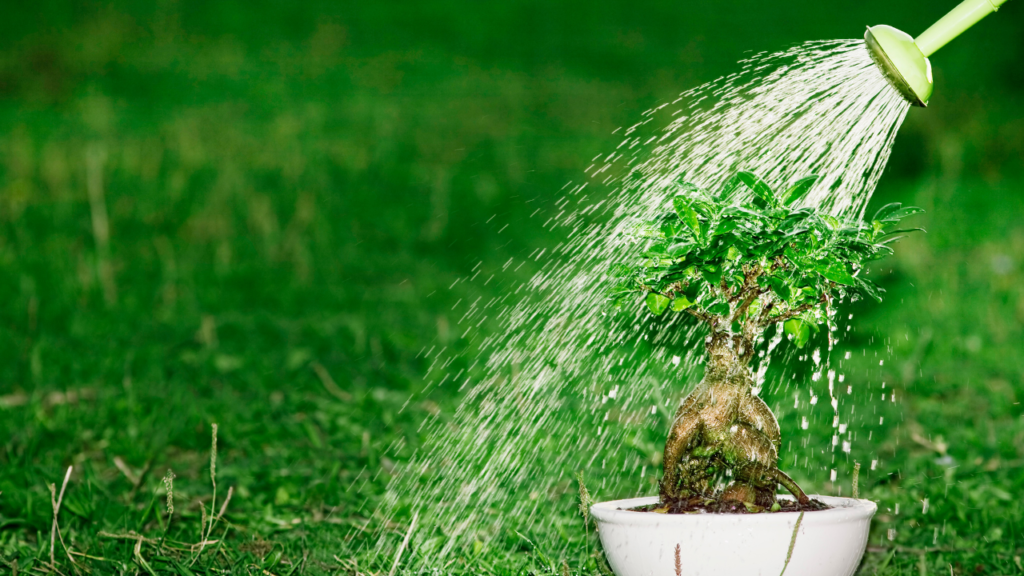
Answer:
(739, 268)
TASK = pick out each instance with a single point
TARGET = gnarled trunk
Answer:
(722, 426)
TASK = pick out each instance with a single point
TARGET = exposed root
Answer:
(792, 486)
(723, 432)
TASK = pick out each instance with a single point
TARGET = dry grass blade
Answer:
(90, 557)
(208, 521)
(224, 506)
(679, 561)
(55, 398)
(13, 400)
(347, 564)
(56, 502)
(329, 384)
(128, 472)
(126, 536)
(137, 553)
(95, 158)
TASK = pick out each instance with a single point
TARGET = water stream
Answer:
(569, 385)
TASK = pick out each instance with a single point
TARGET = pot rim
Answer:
(843, 510)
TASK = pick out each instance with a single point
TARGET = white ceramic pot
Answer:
(828, 543)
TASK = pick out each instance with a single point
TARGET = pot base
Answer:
(828, 542)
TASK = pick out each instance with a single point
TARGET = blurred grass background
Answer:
(256, 214)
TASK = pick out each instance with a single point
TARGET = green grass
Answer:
(292, 187)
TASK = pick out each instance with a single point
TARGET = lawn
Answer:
(261, 216)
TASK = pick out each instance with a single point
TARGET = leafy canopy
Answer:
(741, 267)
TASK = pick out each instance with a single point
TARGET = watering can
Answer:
(904, 59)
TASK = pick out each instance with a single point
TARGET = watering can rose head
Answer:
(741, 267)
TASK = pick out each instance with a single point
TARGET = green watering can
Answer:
(904, 59)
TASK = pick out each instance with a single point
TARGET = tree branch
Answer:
(792, 313)
(701, 315)
(742, 309)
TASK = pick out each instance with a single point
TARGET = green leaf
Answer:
(719, 309)
(688, 216)
(657, 303)
(798, 189)
(886, 210)
(671, 228)
(903, 213)
(836, 271)
(881, 251)
(832, 222)
(904, 231)
(869, 288)
(730, 186)
(800, 330)
(657, 248)
(758, 187)
(705, 209)
(680, 249)
(725, 226)
(780, 287)
(680, 303)
(712, 274)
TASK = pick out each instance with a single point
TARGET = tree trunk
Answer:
(723, 427)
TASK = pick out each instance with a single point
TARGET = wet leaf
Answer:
(886, 210)
(680, 249)
(719, 309)
(712, 274)
(657, 303)
(680, 303)
(688, 217)
(758, 187)
(799, 329)
(902, 213)
(836, 271)
(798, 189)
(780, 287)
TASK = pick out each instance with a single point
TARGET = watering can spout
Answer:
(903, 59)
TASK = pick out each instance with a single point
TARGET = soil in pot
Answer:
(719, 506)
